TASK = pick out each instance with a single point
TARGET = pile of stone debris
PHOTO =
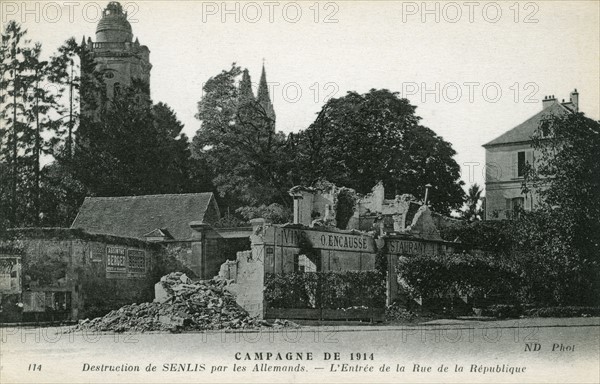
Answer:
(181, 305)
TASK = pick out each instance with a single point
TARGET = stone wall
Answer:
(286, 249)
(248, 280)
(69, 274)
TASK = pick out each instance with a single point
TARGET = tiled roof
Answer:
(136, 216)
(526, 129)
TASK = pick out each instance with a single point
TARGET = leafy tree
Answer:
(275, 213)
(554, 248)
(132, 147)
(115, 155)
(175, 151)
(563, 236)
(568, 177)
(358, 140)
(238, 142)
(471, 210)
(62, 194)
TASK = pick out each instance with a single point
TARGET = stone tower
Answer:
(116, 56)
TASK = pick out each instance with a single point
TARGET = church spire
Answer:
(263, 95)
(246, 94)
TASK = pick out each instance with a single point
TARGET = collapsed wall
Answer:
(327, 205)
(246, 276)
(180, 304)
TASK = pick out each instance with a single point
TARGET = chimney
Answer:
(548, 101)
(426, 194)
(575, 100)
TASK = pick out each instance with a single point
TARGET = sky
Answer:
(473, 69)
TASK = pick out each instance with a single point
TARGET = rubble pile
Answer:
(181, 304)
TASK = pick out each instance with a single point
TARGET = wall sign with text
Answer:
(122, 262)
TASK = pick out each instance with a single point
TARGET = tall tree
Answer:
(12, 67)
(27, 108)
(560, 241)
(238, 141)
(358, 140)
(175, 152)
(42, 127)
(65, 73)
(131, 148)
(567, 178)
(62, 192)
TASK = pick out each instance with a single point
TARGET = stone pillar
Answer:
(378, 192)
(303, 206)
(198, 264)
(249, 283)
(248, 274)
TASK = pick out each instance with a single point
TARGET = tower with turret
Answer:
(118, 58)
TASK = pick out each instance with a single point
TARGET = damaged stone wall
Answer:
(247, 279)
(280, 249)
(317, 206)
(66, 274)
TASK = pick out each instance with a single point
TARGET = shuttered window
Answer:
(521, 164)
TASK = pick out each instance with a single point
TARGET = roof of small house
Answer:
(524, 131)
(138, 216)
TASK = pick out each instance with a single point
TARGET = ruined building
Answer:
(329, 205)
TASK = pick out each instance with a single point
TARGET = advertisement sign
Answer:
(115, 260)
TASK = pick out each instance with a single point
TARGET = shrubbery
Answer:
(540, 247)
(448, 275)
(325, 290)
(563, 312)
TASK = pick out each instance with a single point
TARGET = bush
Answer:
(274, 213)
(563, 312)
(449, 275)
(554, 267)
(493, 235)
(325, 290)
(395, 312)
(503, 311)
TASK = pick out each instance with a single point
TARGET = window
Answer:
(513, 206)
(136, 261)
(545, 129)
(521, 164)
(109, 74)
(518, 202)
(304, 264)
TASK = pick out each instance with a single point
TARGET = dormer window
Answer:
(545, 129)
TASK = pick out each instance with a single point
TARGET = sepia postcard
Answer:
(300, 191)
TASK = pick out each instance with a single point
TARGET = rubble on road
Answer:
(181, 305)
